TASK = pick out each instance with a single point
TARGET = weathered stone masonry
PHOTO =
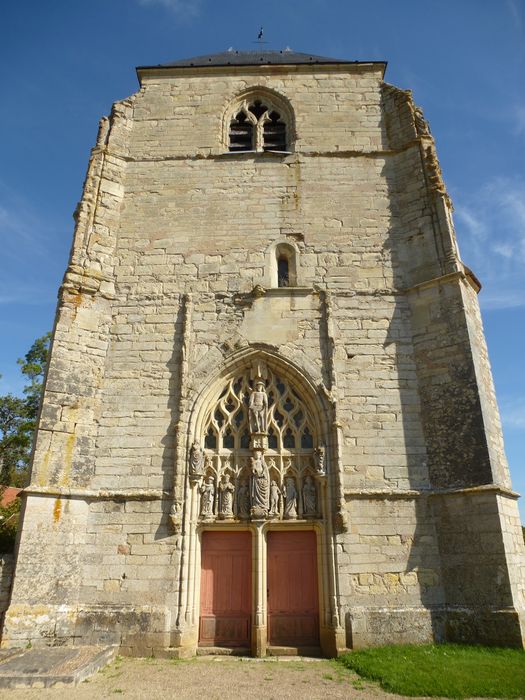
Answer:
(170, 291)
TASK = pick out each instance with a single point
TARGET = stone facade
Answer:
(6, 580)
(171, 295)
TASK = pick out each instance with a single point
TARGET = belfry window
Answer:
(274, 133)
(241, 133)
(257, 125)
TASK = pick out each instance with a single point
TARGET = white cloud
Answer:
(184, 8)
(513, 413)
(490, 225)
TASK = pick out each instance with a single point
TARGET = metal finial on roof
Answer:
(260, 37)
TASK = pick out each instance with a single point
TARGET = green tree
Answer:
(33, 366)
(16, 430)
(18, 417)
(9, 516)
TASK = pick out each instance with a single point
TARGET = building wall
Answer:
(172, 236)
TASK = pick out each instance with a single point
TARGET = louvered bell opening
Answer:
(274, 133)
(241, 133)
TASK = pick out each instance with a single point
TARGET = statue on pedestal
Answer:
(275, 494)
(260, 491)
(226, 490)
(290, 507)
(258, 409)
(243, 500)
(207, 491)
(196, 461)
(309, 497)
(319, 460)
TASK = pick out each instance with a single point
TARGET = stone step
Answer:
(223, 651)
(44, 667)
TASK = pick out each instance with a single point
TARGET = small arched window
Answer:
(259, 124)
(284, 266)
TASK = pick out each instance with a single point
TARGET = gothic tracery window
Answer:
(290, 426)
(272, 469)
(257, 125)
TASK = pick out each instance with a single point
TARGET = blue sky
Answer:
(64, 62)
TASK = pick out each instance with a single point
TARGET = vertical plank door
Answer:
(293, 599)
(226, 589)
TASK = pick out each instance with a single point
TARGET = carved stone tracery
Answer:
(261, 458)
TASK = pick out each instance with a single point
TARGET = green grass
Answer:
(445, 670)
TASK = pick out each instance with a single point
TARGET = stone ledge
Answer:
(53, 666)
(102, 494)
(427, 493)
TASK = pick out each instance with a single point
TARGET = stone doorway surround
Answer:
(303, 470)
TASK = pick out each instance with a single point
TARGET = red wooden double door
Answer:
(226, 589)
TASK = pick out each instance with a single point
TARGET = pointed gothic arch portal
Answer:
(257, 464)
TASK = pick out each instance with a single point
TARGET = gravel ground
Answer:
(216, 678)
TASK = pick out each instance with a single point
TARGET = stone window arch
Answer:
(259, 121)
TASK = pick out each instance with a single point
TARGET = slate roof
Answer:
(233, 57)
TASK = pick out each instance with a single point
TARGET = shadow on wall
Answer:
(456, 551)
(172, 440)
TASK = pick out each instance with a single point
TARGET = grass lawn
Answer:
(446, 670)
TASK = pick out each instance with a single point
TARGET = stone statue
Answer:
(243, 500)
(175, 516)
(207, 491)
(226, 490)
(309, 497)
(290, 507)
(196, 461)
(260, 486)
(319, 460)
(258, 408)
(275, 493)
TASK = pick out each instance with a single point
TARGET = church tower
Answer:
(269, 421)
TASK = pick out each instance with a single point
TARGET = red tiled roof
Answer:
(9, 495)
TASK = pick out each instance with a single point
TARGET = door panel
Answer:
(293, 599)
(226, 589)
